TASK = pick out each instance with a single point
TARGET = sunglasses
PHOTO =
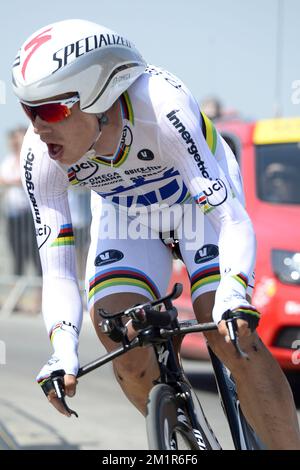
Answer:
(51, 111)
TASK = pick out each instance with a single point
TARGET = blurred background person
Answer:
(15, 207)
(212, 107)
(216, 111)
(281, 183)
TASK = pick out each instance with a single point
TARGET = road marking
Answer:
(6, 441)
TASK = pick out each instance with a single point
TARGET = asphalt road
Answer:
(106, 419)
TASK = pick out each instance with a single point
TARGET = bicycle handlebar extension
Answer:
(152, 317)
(144, 317)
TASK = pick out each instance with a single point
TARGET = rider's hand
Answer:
(70, 383)
(70, 380)
(243, 329)
(247, 319)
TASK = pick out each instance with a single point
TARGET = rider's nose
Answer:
(41, 127)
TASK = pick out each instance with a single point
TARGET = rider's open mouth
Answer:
(55, 151)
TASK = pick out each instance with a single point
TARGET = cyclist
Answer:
(102, 118)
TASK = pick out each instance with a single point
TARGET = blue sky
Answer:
(227, 48)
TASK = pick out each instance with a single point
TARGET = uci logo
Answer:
(88, 170)
(216, 194)
(126, 139)
(42, 233)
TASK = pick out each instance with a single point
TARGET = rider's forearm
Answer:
(62, 311)
(237, 250)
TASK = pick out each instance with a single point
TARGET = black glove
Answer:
(247, 313)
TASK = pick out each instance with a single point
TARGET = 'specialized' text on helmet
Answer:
(76, 56)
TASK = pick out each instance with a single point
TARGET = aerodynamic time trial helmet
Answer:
(76, 56)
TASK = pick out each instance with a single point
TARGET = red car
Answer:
(269, 155)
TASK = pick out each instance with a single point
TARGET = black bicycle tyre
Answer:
(162, 424)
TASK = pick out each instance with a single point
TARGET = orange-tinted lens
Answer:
(52, 112)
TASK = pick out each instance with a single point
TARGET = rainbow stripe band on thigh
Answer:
(205, 275)
(122, 277)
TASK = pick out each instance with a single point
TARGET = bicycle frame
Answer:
(241, 437)
(171, 372)
(143, 338)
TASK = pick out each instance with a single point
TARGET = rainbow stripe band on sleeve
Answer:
(201, 199)
(209, 132)
(54, 330)
(249, 310)
(122, 276)
(65, 236)
(204, 276)
(42, 380)
(242, 279)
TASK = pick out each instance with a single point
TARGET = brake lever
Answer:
(232, 329)
(57, 379)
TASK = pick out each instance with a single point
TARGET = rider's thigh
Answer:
(113, 303)
(137, 362)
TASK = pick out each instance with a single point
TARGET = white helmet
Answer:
(76, 56)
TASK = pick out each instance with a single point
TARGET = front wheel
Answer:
(167, 422)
